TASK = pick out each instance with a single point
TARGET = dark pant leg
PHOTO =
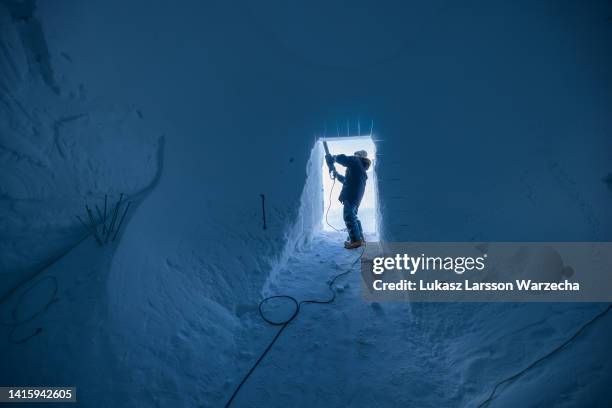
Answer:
(359, 225)
(353, 225)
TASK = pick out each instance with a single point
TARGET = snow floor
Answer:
(349, 353)
(367, 354)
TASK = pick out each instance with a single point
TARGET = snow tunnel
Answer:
(199, 124)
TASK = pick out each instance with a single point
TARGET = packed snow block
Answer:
(57, 149)
(473, 189)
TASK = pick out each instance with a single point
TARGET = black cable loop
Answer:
(283, 324)
(16, 323)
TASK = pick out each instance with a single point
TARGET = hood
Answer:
(366, 162)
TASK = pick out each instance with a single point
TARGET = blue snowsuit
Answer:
(353, 187)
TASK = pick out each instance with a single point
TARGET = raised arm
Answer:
(342, 159)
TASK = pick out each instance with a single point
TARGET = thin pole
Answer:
(114, 219)
(104, 220)
(121, 221)
(90, 230)
(98, 212)
(263, 210)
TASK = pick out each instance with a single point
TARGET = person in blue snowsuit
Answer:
(353, 187)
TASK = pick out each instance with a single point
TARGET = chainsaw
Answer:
(329, 159)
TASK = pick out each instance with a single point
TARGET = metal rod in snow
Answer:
(359, 127)
(99, 214)
(92, 220)
(90, 230)
(114, 219)
(104, 219)
(121, 220)
(348, 129)
(263, 210)
(94, 229)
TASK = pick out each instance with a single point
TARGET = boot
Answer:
(353, 244)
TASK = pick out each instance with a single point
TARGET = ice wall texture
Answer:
(493, 117)
(59, 149)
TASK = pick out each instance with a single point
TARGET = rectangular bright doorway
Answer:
(332, 208)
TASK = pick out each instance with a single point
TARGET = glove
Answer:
(329, 159)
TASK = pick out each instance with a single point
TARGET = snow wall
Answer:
(493, 121)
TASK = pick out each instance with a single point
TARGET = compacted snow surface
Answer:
(348, 353)
(368, 354)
